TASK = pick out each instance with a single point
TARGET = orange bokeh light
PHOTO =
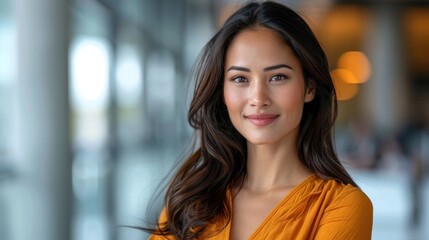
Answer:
(345, 90)
(357, 64)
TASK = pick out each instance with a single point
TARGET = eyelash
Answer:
(240, 79)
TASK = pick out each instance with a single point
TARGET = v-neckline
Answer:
(273, 211)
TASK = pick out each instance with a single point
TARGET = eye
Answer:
(278, 78)
(239, 79)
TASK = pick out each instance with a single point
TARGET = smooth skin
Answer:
(265, 93)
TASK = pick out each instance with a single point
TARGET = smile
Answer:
(261, 119)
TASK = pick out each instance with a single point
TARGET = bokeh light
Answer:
(357, 64)
(345, 90)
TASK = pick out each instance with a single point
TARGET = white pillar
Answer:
(385, 95)
(42, 209)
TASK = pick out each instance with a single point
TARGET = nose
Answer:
(259, 96)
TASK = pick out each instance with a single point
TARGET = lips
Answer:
(261, 119)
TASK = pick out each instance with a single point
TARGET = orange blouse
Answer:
(315, 209)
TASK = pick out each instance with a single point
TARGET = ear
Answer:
(310, 91)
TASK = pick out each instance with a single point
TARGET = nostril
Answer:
(259, 103)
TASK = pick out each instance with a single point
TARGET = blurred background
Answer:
(94, 93)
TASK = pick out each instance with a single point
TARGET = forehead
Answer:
(259, 46)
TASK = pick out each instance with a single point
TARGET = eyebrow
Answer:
(266, 69)
(277, 67)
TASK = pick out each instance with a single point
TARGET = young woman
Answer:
(264, 107)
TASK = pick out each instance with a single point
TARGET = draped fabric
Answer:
(315, 209)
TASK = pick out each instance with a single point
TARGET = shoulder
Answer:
(347, 212)
(348, 209)
(339, 194)
(329, 197)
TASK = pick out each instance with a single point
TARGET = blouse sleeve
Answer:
(162, 219)
(349, 218)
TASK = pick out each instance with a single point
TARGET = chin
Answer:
(260, 141)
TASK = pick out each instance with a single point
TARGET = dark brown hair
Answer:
(196, 195)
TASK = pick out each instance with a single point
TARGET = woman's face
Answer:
(264, 88)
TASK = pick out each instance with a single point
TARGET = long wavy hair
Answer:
(196, 196)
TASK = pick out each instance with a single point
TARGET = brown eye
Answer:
(278, 77)
(239, 80)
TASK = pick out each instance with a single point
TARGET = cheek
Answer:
(233, 100)
(292, 99)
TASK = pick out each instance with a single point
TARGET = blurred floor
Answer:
(391, 197)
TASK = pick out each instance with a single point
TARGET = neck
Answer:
(270, 167)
